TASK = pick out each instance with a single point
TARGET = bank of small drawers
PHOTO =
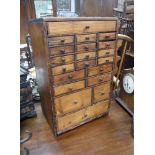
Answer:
(81, 57)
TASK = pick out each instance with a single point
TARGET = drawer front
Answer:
(86, 38)
(72, 102)
(107, 36)
(60, 40)
(84, 64)
(106, 45)
(105, 60)
(93, 26)
(76, 118)
(62, 60)
(104, 53)
(102, 92)
(86, 56)
(62, 69)
(61, 50)
(68, 88)
(56, 28)
(99, 79)
(86, 47)
(68, 77)
(99, 69)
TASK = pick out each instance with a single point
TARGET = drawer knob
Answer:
(70, 76)
(87, 57)
(107, 60)
(62, 51)
(101, 69)
(70, 89)
(62, 40)
(107, 44)
(63, 59)
(64, 69)
(102, 93)
(100, 79)
(86, 48)
(75, 102)
(85, 115)
(87, 27)
(107, 36)
(107, 53)
(87, 38)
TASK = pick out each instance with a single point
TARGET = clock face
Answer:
(128, 83)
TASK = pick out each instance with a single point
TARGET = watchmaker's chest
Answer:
(74, 60)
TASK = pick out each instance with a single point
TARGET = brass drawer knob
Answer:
(87, 38)
(87, 57)
(64, 69)
(106, 60)
(75, 102)
(62, 40)
(101, 69)
(106, 36)
(70, 76)
(107, 53)
(102, 93)
(86, 48)
(107, 44)
(87, 27)
(70, 89)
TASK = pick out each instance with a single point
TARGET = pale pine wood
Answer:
(103, 53)
(82, 115)
(107, 45)
(62, 69)
(68, 88)
(105, 36)
(86, 47)
(86, 38)
(102, 92)
(106, 59)
(72, 102)
(86, 56)
(68, 77)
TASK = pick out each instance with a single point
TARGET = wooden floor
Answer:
(111, 135)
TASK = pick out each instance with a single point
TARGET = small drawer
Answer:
(99, 69)
(84, 64)
(61, 60)
(60, 40)
(76, 118)
(107, 36)
(61, 50)
(102, 92)
(99, 79)
(106, 45)
(69, 77)
(62, 69)
(86, 38)
(104, 53)
(86, 47)
(105, 60)
(72, 102)
(68, 88)
(85, 56)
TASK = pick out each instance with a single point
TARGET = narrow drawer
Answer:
(62, 69)
(61, 50)
(76, 118)
(105, 60)
(93, 26)
(86, 38)
(104, 53)
(107, 44)
(99, 69)
(84, 64)
(60, 40)
(107, 36)
(85, 56)
(86, 47)
(68, 77)
(99, 79)
(68, 88)
(72, 102)
(61, 60)
(102, 92)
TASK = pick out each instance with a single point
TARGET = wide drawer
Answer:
(99, 69)
(61, 60)
(104, 53)
(106, 44)
(86, 38)
(107, 36)
(68, 77)
(102, 92)
(56, 28)
(78, 117)
(62, 69)
(99, 79)
(85, 56)
(60, 40)
(105, 60)
(61, 50)
(86, 47)
(68, 88)
(72, 102)
(84, 64)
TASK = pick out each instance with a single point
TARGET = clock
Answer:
(128, 83)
